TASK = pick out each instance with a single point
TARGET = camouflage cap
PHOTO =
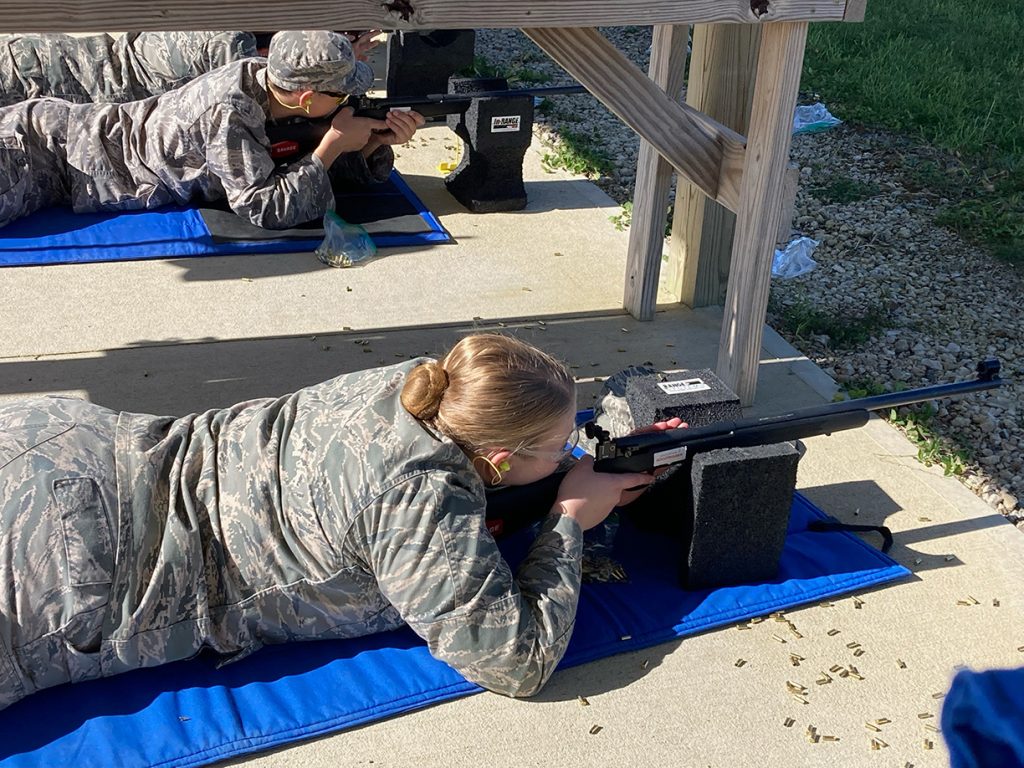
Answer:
(318, 60)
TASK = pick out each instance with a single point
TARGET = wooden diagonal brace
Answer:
(701, 149)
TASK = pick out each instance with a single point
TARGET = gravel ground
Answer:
(930, 304)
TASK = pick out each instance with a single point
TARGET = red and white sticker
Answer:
(505, 123)
(672, 455)
(683, 386)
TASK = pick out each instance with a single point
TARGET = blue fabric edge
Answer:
(421, 700)
(253, 744)
(196, 248)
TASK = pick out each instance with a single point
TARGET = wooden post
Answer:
(757, 219)
(721, 85)
(653, 179)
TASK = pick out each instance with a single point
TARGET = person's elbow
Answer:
(519, 682)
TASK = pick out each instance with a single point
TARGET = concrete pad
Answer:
(180, 335)
(507, 265)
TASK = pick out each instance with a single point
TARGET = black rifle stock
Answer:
(293, 138)
(645, 452)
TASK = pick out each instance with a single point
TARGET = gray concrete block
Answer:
(741, 501)
(496, 132)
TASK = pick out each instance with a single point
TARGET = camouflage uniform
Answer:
(204, 141)
(101, 68)
(134, 540)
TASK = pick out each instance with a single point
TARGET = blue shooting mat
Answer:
(190, 713)
(983, 718)
(59, 236)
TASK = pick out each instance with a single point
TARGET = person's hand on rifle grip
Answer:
(632, 495)
(401, 126)
(347, 133)
(589, 497)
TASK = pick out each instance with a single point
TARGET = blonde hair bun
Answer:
(424, 387)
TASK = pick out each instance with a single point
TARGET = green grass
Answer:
(802, 320)
(917, 424)
(842, 189)
(481, 67)
(577, 153)
(624, 217)
(521, 77)
(948, 72)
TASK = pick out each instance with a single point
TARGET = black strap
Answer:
(820, 526)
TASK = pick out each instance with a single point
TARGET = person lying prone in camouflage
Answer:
(347, 508)
(204, 141)
(102, 68)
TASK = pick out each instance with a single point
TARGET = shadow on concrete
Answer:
(169, 376)
(863, 502)
(256, 266)
(542, 196)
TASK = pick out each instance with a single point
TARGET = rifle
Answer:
(645, 452)
(511, 509)
(296, 137)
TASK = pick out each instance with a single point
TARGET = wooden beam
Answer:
(723, 69)
(757, 220)
(143, 15)
(701, 149)
(855, 10)
(653, 179)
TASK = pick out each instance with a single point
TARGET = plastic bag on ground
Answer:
(344, 244)
(795, 259)
(813, 118)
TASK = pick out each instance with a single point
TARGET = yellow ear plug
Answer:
(504, 466)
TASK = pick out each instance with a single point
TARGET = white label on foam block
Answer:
(685, 385)
(667, 457)
(505, 123)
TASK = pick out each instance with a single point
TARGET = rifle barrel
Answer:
(509, 93)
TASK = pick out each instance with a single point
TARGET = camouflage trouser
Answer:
(33, 163)
(58, 529)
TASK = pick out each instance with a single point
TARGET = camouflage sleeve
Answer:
(428, 545)
(355, 169)
(274, 198)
